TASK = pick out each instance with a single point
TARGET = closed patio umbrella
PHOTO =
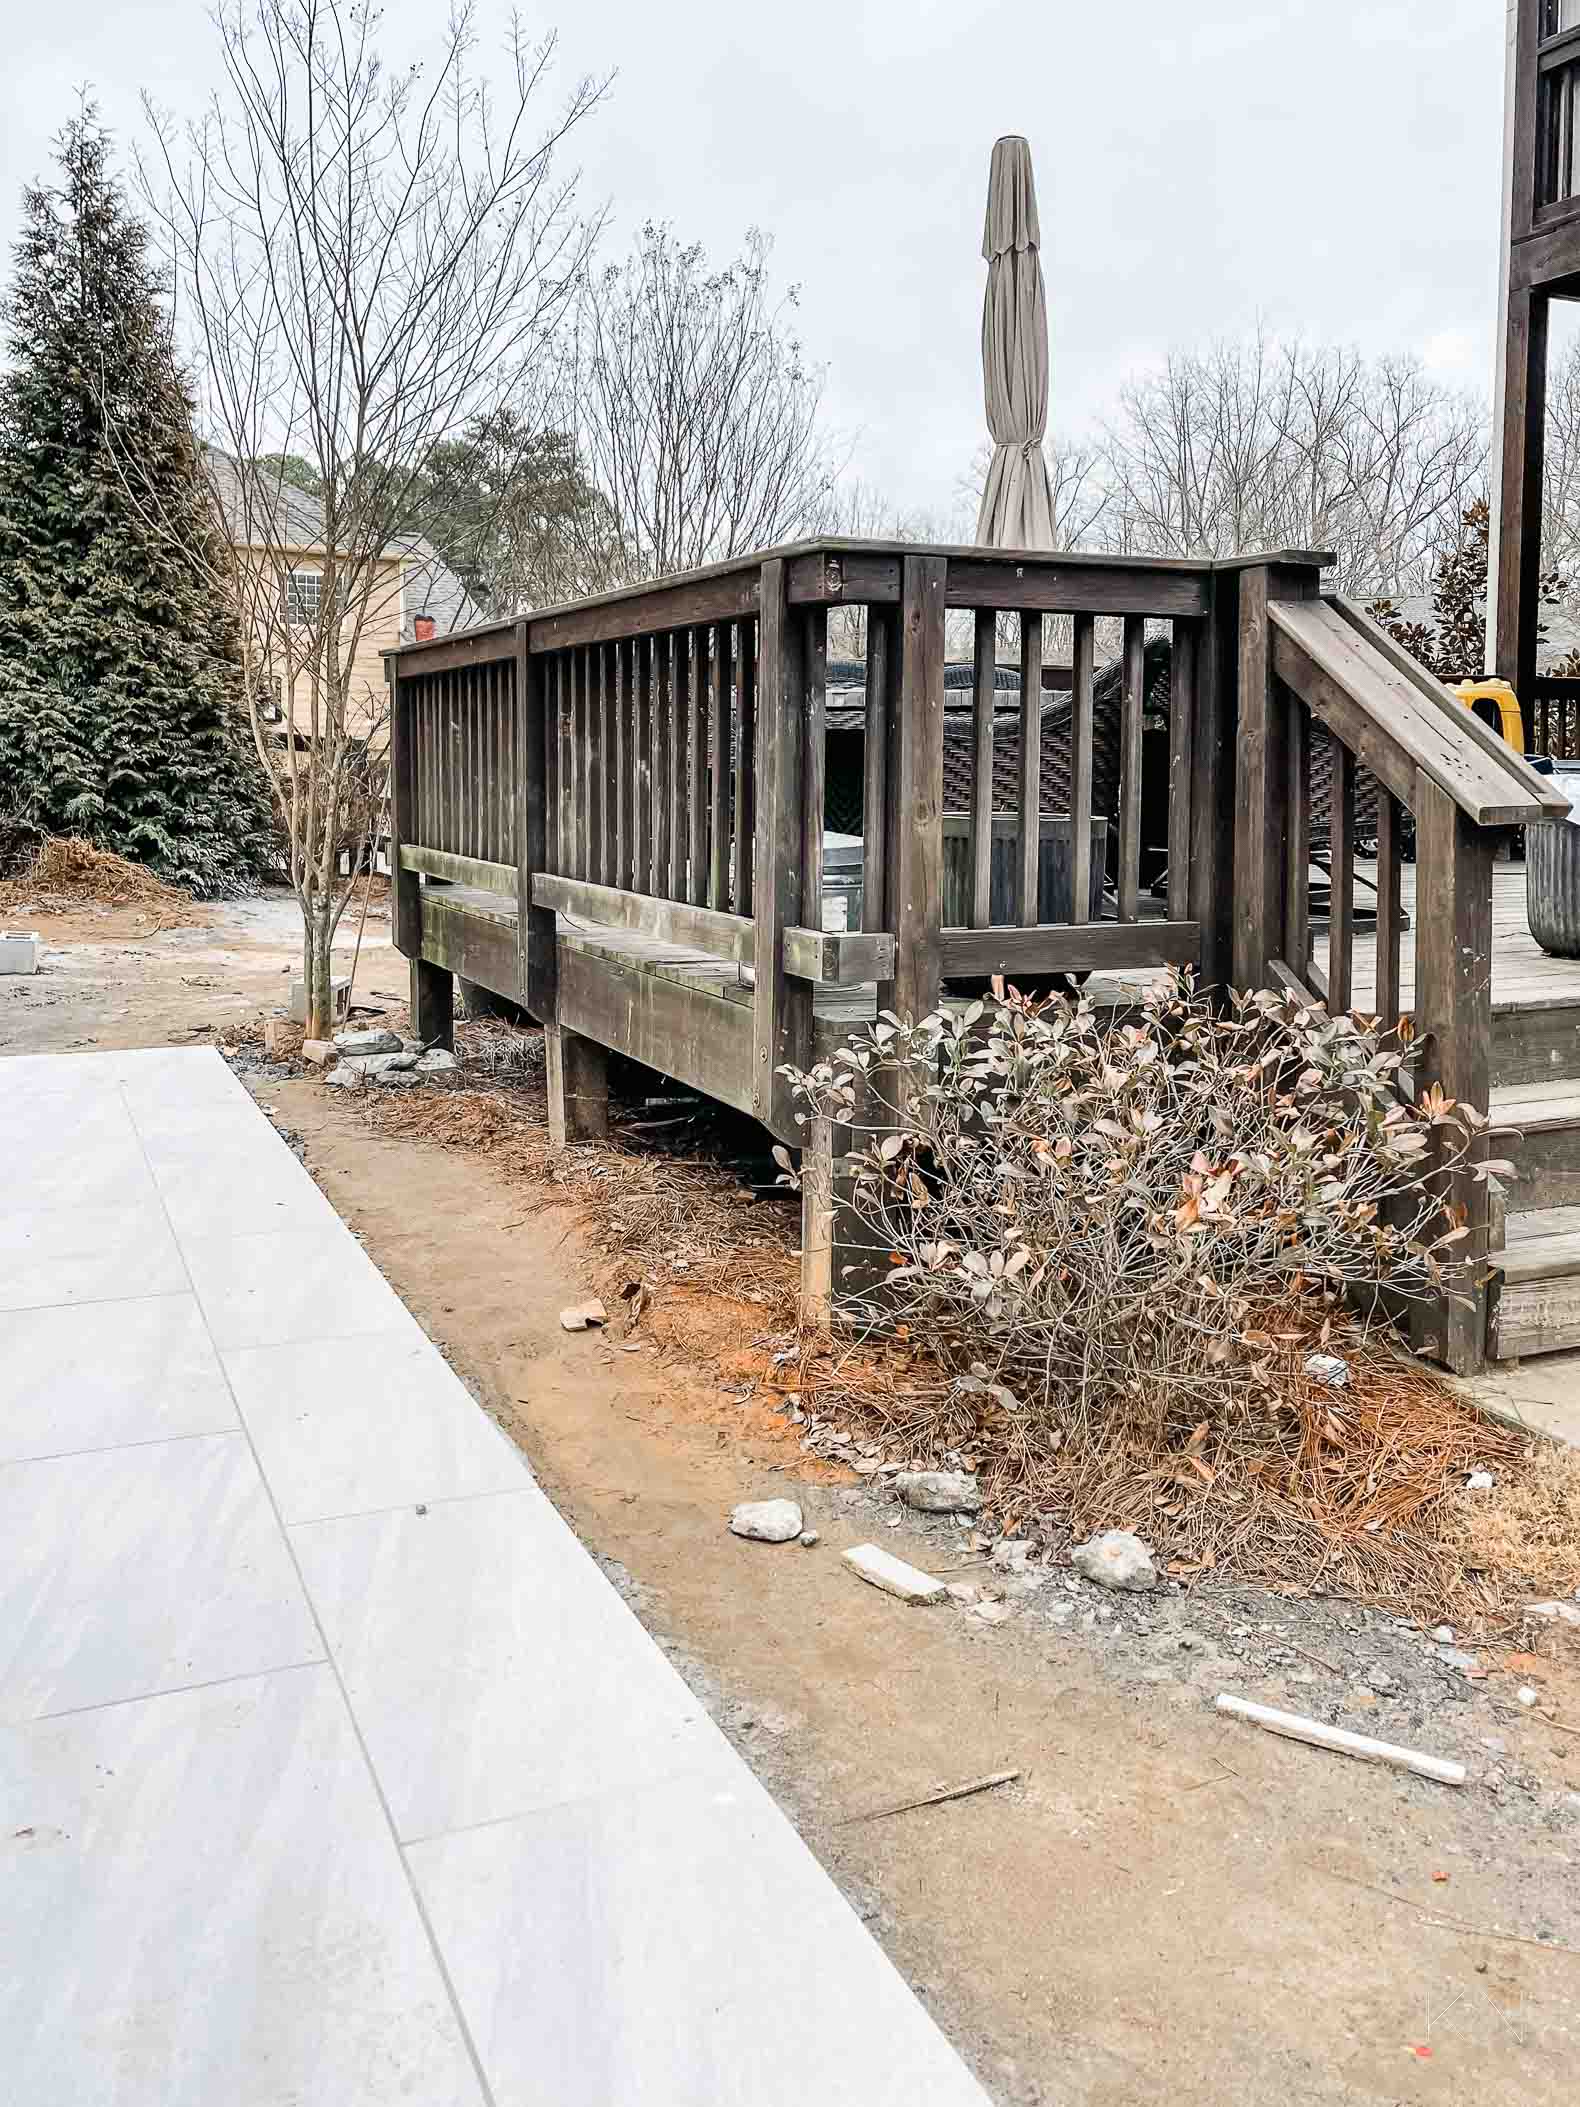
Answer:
(1017, 504)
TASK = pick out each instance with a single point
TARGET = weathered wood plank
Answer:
(406, 903)
(1341, 879)
(1069, 947)
(679, 887)
(459, 870)
(814, 761)
(471, 945)
(576, 1073)
(1389, 860)
(984, 670)
(839, 958)
(680, 1029)
(745, 763)
(648, 610)
(663, 763)
(916, 788)
(675, 921)
(1297, 832)
(697, 746)
(641, 874)
(719, 692)
(459, 654)
(1061, 587)
(1030, 768)
(1134, 695)
(875, 768)
(532, 750)
(1083, 651)
(781, 1012)
(431, 1003)
(1183, 651)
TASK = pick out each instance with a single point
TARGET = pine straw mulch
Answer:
(68, 874)
(1359, 1492)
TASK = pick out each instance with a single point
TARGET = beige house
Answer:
(411, 595)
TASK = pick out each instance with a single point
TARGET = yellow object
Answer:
(1502, 710)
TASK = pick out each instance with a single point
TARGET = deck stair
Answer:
(1536, 1307)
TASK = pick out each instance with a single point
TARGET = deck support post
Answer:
(405, 885)
(817, 1224)
(1453, 1032)
(433, 1004)
(537, 928)
(578, 1086)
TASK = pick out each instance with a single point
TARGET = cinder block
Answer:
(339, 1001)
(18, 954)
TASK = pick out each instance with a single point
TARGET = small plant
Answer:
(1117, 1221)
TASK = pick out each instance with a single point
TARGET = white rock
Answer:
(1116, 1559)
(993, 1612)
(345, 1078)
(586, 1316)
(1525, 1694)
(435, 1062)
(767, 1521)
(939, 1492)
(1555, 1612)
(1480, 1481)
(1443, 1634)
(809, 1537)
(1328, 1368)
(1011, 1554)
(376, 1041)
(883, 1570)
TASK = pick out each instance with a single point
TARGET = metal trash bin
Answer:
(1552, 870)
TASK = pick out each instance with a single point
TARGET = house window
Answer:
(303, 597)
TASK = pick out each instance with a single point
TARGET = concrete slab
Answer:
(490, 1666)
(344, 1426)
(133, 1570)
(103, 1375)
(674, 1944)
(204, 1905)
(205, 1896)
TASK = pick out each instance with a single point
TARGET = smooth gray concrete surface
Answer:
(333, 1773)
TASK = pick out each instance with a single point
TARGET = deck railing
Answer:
(656, 761)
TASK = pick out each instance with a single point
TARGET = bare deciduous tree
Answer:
(1263, 444)
(368, 258)
(698, 412)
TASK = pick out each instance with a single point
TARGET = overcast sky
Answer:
(1331, 166)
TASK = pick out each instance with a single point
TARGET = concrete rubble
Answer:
(939, 1492)
(881, 1569)
(767, 1521)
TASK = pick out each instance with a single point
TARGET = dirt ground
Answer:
(1167, 1905)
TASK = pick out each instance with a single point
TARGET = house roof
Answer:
(428, 585)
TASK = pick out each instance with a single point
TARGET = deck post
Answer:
(433, 1004)
(916, 790)
(577, 1072)
(1261, 805)
(405, 886)
(1453, 1026)
(781, 1006)
(820, 1142)
(536, 927)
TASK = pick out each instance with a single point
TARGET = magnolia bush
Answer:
(1091, 1213)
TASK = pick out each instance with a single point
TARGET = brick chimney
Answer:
(422, 629)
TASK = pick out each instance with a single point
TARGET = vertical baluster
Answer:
(916, 787)
(609, 771)
(1135, 679)
(984, 667)
(1182, 759)
(814, 766)
(745, 763)
(1028, 908)
(875, 768)
(620, 704)
(546, 671)
(719, 771)
(1386, 995)
(663, 762)
(1341, 879)
(680, 732)
(1297, 840)
(697, 754)
(642, 765)
(1081, 771)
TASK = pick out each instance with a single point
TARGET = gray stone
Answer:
(435, 1062)
(993, 1612)
(1011, 1554)
(345, 1078)
(380, 1065)
(1456, 1657)
(375, 1041)
(1116, 1559)
(1443, 1634)
(809, 1537)
(939, 1492)
(881, 1569)
(767, 1521)
(963, 1592)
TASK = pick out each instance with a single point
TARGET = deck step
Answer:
(1537, 1308)
(1545, 1148)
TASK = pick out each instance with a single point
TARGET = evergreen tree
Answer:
(121, 698)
